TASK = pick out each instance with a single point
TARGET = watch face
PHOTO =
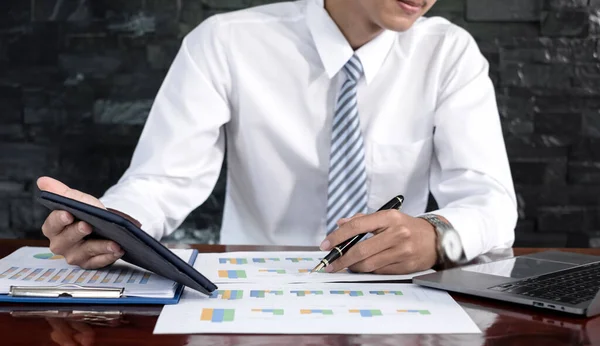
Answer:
(452, 246)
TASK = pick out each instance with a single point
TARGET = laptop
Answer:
(555, 280)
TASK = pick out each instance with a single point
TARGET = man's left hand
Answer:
(400, 244)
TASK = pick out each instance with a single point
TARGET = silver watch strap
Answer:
(441, 227)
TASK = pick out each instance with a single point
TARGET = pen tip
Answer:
(318, 267)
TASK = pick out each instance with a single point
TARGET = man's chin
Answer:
(398, 24)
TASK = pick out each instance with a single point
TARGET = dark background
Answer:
(78, 77)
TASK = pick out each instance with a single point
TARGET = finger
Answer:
(61, 333)
(406, 267)
(60, 325)
(101, 261)
(70, 237)
(62, 339)
(369, 223)
(82, 327)
(381, 259)
(57, 187)
(85, 254)
(83, 340)
(346, 219)
(362, 251)
(56, 222)
(85, 335)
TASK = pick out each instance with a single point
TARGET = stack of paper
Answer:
(37, 266)
(274, 293)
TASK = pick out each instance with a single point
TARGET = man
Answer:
(327, 109)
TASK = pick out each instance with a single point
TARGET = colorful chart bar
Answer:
(132, 277)
(217, 315)
(121, 276)
(57, 276)
(422, 312)
(32, 274)
(350, 293)
(277, 312)
(44, 276)
(315, 311)
(382, 293)
(107, 278)
(264, 260)
(145, 278)
(278, 271)
(261, 294)
(228, 294)
(20, 273)
(71, 275)
(8, 272)
(366, 313)
(299, 259)
(305, 293)
(83, 276)
(233, 260)
(232, 274)
(95, 277)
(304, 270)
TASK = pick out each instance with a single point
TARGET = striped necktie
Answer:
(347, 189)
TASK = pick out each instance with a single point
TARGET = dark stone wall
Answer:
(77, 78)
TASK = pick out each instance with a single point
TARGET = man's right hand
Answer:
(67, 237)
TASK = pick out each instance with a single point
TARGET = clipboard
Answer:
(140, 248)
(76, 294)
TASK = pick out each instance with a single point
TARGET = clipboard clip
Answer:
(67, 290)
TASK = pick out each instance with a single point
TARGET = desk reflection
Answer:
(500, 323)
(75, 326)
(506, 323)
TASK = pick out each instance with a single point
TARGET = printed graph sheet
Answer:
(317, 308)
(280, 267)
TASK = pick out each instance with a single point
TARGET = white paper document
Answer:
(316, 308)
(278, 267)
(37, 266)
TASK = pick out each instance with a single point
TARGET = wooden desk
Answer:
(502, 324)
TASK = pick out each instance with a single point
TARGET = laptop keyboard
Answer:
(571, 286)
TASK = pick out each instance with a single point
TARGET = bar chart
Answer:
(217, 315)
(262, 293)
(233, 260)
(232, 274)
(347, 292)
(228, 294)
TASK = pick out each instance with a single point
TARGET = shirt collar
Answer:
(333, 48)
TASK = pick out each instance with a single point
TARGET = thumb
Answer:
(52, 185)
(57, 187)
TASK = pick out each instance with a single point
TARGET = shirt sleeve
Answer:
(178, 158)
(470, 176)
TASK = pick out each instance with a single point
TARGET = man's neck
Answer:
(352, 22)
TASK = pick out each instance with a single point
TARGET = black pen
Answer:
(342, 248)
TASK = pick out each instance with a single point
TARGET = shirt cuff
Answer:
(469, 225)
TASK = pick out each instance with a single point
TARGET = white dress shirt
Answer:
(262, 82)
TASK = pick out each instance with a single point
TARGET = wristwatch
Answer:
(448, 245)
